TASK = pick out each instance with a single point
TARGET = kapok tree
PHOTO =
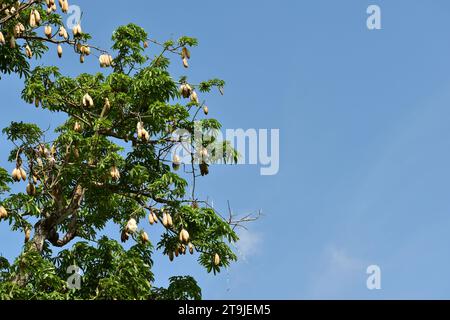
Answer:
(109, 162)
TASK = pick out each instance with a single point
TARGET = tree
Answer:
(110, 161)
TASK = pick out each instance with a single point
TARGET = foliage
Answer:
(110, 161)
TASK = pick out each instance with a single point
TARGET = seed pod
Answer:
(191, 248)
(87, 100)
(124, 236)
(170, 256)
(151, 219)
(81, 58)
(177, 252)
(194, 97)
(155, 217)
(146, 136)
(35, 179)
(185, 53)
(27, 235)
(204, 169)
(176, 162)
(184, 236)
(31, 189)
(37, 17)
(48, 31)
(183, 249)
(32, 21)
(169, 220)
(23, 174)
(86, 50)
(65, 6)
(185, 90)
(145, 44)
(131, 226)
(3, 213)
(77, 30)
(60, 51)
(77, 127)
(28, 52)
(144, 237)
(2, 39)
(115, 174)
(205, 110)
(216, 260)
(165, 221)
(185, 63)
(63, 32)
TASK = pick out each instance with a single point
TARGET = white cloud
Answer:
(249, 244)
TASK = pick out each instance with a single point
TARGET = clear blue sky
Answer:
(365, 140)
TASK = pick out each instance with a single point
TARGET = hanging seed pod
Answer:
(204, 169)
(185, 53)
(77, 30)
(3, 213)
(177, 252)
(77, 127)
(65, 6)
(185, 63)
(37, 17)
(185, 90)
(16, 175)
(145, 44)
(216, 260)
(35, 179)
(23, 174)
(155, 217)
(144, 237)
(87, 100)
(63, 32)
(60, 51)
(165, 221)
(191, 248)
(184, 236)
(115, 174)
(32, 21)
(131, 226)
(48, 31)
(205, 110)
(176, 162)
(81, 58)
(124, 236)
(151, 219)
(194, 97)
(169, 220)
(183, 249)
(27, 235)
(28, 52)
(2, 39)
(31, 189)
(170, 254)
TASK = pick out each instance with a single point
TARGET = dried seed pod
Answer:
(170, 254)
(177, 252)
(27, 235)
(65, 6)
(63, 32)
(185, 53)
(184, 236)
(32, 21)
(23, 174)
(144, 237)
(205, 110)
(151, 219)
(185, 90)
(216, 260)
(191, 248)
(60, 51)
(77, 127)
(28, 52)
(115, 174)
(169, 220)
(131, 226)
(155, 217)
(185, 63)
(145, 44)
(176, 162)
(48, 31)
(124, 236)
(88, 101)
(204, 169)
(81, 58)
(194, 97)
(3, 213)
(31, 189)
(183, 249)
(37, 17)
(77, 31)
(2, 39)
(12, 42)
(165, 221)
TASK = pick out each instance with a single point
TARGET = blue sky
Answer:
(365, 142)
